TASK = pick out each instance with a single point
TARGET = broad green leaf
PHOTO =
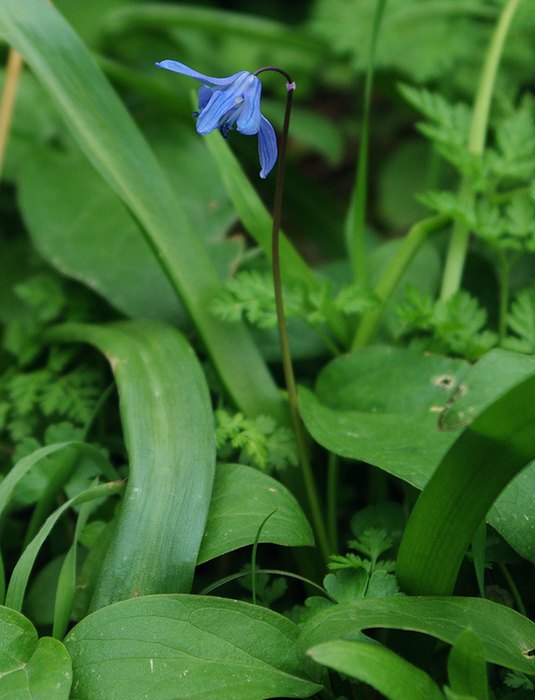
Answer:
(508, 638)
(379, 667)
(169, 432)
(467, 670)
(114, 145)
(513, 514)
(182, 646)
(31, 668)
(483, 460)
(380, 405)
(497, 371)
(383, 406)
(105, 248)
(102, 247)
(241, 499)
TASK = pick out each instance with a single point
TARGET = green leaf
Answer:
(169, 432)
(508, 638)
(241, 499)
(513, 514)
(357, 414)
(467, 670)
(104, 248)
(32, 668)
(521, 320)
(114, 145)
(183, 646)
(23, 466)
(21, 573)
(388, 673)
(483, 460)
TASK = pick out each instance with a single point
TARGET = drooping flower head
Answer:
(225, 103)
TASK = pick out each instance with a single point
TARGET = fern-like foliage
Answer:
(258, 442)
(43, 386)
(455, 326)
(421, 40)
(249, 296)
(521, 321)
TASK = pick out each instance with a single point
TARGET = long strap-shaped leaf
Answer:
(115, 146)
(478, 466)
(169, 432)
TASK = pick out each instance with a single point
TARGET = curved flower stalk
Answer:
(225, 103)
(235, 101)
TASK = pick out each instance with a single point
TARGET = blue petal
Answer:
(216, 112)
(267, 147)
(249, 118)
(205, 93)
(223, 105)
(178, 67)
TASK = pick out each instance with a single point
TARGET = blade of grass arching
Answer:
(114, 145)
(481, 462)
(62, 469)
(66, 587)
(375, 665)
(170, 438)
(23, 568)
(23, 466)
(356, 220)
(412, 242)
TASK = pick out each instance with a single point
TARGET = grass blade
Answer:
(21, 572)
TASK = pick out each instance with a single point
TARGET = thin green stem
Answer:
(393, 275)
(513, 588)
(356, 223)
(277, 572)
(306, 468)
(458, 248)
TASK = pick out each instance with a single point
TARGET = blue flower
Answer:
(228, 102)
